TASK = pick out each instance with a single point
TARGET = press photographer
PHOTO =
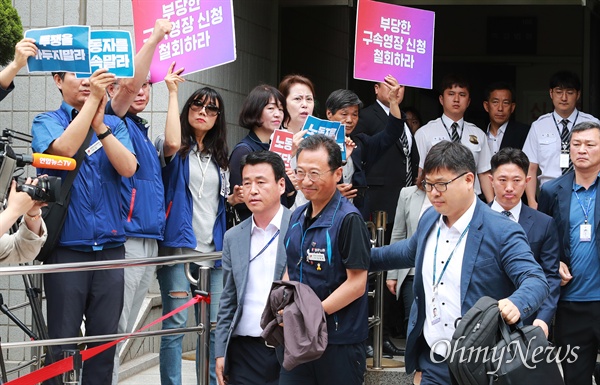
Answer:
(27, 241)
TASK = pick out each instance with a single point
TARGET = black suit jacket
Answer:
(515, 135)
(386, 177)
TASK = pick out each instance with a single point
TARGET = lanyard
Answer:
(266, 246)
(462, 130)
(203, 171)
(586, 211)
(435, 284)
(556, 124)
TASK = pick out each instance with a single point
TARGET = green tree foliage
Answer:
(11, 31)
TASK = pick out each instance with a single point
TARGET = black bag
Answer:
(233, 218)
(56, 212)
(475, 332)
(479, 354)
(523, 357)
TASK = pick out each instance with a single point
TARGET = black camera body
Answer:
(46, 190)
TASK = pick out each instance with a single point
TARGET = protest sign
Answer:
(396, 40)
(202, 37)
(112, 50)
(281, 144)
(335, 130)
(63, 48)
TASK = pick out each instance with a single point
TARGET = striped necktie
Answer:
(408, 180)
(565, 138)
(455, 137)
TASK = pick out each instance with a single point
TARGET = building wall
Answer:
(256, 25)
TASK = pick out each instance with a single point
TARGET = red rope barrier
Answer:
(66, 364)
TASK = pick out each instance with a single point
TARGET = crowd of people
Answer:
(508, 211)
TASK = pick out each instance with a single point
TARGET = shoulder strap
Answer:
(66, 186)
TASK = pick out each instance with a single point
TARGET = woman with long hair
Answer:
(196, 180)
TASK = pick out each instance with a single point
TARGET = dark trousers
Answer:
(251, 362)
(339, 364)
(96, 295)
(434, 368)
(578, 326)
(408, 297)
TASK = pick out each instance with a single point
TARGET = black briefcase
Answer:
(523, 356)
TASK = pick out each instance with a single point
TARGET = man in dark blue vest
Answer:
(328, 248)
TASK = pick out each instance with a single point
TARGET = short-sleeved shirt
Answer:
(543, 143)
(470, 135)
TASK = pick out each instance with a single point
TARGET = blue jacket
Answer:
(350, 324)
(143, 207)
(497, 262)
(179, 205)
(93, 217)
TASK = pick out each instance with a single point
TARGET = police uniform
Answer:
(470, 135)
(543, 143)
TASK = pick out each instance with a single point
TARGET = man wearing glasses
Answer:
(462, 250)
(547, 144)
(327, 247)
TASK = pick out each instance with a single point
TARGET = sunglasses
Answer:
(210, 109)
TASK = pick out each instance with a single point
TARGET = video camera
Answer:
(47, 188)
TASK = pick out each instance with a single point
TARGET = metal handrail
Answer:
(202, 281)
(111, 264)
(102, 338)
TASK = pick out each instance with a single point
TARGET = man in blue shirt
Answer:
(572, 200)
(93, 229)
(142, 195)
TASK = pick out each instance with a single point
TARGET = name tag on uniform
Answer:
(93, 148)
(585, 232)
(564, 158)
(316, 257)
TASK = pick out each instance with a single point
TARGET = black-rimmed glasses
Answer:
(440, 186)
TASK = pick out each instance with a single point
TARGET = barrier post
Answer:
(203, 317)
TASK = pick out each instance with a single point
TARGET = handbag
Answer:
(523, 356)
(56, 212)
(233, 218)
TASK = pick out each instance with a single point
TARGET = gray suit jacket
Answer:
(405, 224)
(236, 249)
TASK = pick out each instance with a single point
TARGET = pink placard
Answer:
(281, 144)
(202, 37)
(396, 40)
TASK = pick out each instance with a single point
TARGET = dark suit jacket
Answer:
(543, 238)
(515, 135)
(236, 250)
(369, 150)
(555, 200)
(387, 175)
(497, 262)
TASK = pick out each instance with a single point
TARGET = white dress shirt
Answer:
(515, 212)
(448, 295)
(261, 270)
(495, 141)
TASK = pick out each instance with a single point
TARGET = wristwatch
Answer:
(105, 133)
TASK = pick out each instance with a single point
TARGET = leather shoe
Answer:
(370, 353)
(388, 347)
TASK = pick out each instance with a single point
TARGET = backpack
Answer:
(475, 335)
